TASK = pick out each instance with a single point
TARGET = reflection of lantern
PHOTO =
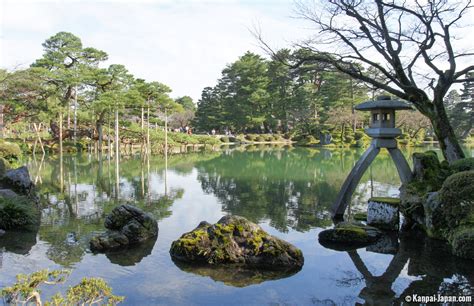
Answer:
(383, 131)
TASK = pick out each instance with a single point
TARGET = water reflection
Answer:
(132, 255)
(235, 276)
(17, 242)
(439, 272)
(287, 191)
(294, 189)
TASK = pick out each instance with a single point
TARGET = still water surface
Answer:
(288, 191)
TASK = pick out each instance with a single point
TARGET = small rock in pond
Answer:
(126, 225)
(349, 235)
(235, 240)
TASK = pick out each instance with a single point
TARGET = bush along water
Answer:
(440, 200)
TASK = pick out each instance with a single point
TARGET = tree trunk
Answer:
(61, 131)
(148, 149)
(117, 144)
(99, 125)
(447, 139)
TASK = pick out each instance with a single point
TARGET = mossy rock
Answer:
(464, 164)
(347, 235)
(18, 213)
(386, 200)
(10, 151)
(224, 139)
(127, 225)
(462, 242)
(361, 216)
(427, 169)
(235, 240)
(457, 201)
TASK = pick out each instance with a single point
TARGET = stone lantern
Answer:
(383, 132)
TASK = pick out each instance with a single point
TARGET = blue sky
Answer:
(184, 44)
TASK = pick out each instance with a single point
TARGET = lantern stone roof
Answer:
(383, 102)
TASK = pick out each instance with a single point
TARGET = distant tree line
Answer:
(67, 94)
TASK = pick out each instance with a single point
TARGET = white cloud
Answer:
(184, 44)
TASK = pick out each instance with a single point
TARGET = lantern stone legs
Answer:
(350, 184)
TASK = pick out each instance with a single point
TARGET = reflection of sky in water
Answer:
(327, 276)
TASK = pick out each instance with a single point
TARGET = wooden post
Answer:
(143, 128)
(75, 115)
(117, 155)
(61, 174)
(1, 121)
(148, 149)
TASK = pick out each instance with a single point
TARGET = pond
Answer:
(288, 191)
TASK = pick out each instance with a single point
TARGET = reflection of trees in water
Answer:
(90, 187)
(439, 272)
(69, 236)
(292, 188)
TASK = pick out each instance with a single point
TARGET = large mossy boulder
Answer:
(428, 176)
(462, 241)
(457, 201)
(127, 225)
(19, 180)
(18, 213)
(235, 240)
(346, 236)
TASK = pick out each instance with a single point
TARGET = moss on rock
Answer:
(349, 235)
(18, 213)
(386, 200)
(457, 200)
(361, 216)
(235, 240)
(462, 242)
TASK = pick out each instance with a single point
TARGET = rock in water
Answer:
(349, 236)
(126, 225)
(383, 213)
(19, 180)
(235, 240)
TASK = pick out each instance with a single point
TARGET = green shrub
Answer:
(251, 137)
(10, 151)
(90, 291)
(359, 135)
(349, 139)
(464, 164)
(4, 166)
(308, 141)
(457, 200)
(17, 213)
